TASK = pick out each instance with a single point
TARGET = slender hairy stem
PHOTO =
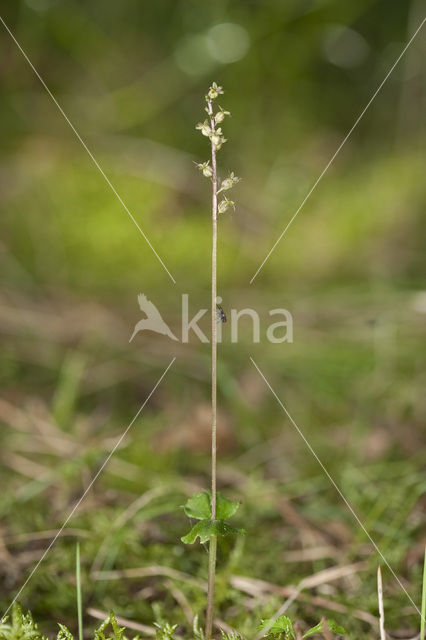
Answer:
(423, 607)
(210, 586)
(79, 599)
(381, 605)
(213, 539)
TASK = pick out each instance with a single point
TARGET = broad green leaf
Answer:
(198, 506)
(332, 625)
(225, 508)
(281, 625)
(207, 528)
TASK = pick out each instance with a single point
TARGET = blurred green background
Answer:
(131, 76)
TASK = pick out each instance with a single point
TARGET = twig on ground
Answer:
(150, 572)
(182, 600)
(257, 588)
(326, 630)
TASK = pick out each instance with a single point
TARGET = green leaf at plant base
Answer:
(281, 625)
(230, 635)
(199, 507)
(64, 633)
(117, 632)
(332, 625)
(165, 630)
(207, 528)
(20, 626)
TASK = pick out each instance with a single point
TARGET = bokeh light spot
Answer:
(193, 57)
(228, 42)
(344, 47)
(41, 5)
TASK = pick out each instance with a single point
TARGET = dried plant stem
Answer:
(213, 539)
(326, 630)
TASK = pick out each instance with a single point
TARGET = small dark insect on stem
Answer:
(221, 315)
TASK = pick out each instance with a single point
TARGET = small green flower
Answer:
(214, 91)
(229, 182)
(217, 138)
(220, 116)
(225, 204)
(205, 168)
(204, 127)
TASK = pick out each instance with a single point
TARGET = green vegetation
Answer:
(22, 627)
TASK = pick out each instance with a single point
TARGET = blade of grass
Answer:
(79, 601)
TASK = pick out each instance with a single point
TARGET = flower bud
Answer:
(204, 128)
(217, 140)
(225, 204)
(205, 168)
(220, 116)
(214, 91)
(229, 182)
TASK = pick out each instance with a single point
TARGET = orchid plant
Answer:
(210, 508)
